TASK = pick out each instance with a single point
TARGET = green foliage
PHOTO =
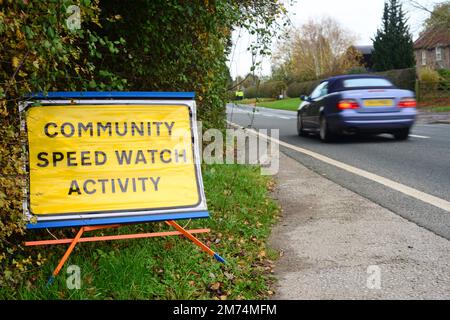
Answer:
(269, 89)
(444, 82)
(393, 44)
(434, 84)
(38, 53)
(444, 74)
(428, 75)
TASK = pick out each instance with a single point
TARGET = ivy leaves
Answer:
(39, 53)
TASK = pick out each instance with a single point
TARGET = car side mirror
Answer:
(305, 98)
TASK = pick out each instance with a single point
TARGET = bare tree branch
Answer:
(419, 6)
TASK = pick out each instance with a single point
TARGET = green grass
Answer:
(436, 109)
(242, 213)
(253, 101)
(285, 104)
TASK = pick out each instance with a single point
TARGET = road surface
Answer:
(410, 178)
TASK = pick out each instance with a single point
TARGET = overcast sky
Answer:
(362, 17)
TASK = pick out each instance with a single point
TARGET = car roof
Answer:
(336, 83)
(355, 76)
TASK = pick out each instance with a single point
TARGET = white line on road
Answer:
(420, 137)
(271, 115)
(422, 196)
(436, 125)
(285, 118)
(425, 125)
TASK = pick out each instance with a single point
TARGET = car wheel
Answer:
(324, 133)
(300, 130)
(402, 134)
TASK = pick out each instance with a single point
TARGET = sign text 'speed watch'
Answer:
(106, 158)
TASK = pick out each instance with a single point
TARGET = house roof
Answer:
(364, 49)
(432, 38)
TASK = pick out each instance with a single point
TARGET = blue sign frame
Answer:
(118, 97)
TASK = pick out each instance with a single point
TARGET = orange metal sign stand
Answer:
(78, 238)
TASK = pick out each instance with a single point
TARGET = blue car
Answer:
(357, 104)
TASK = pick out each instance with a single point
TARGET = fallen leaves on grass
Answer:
(262, 254)
(228, 275)
(215, 286)
(216, 290)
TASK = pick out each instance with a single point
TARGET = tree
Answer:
(315, 50)
(439, 16)
(393, 44)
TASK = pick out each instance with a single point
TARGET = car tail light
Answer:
(407, 103)
(348, 104)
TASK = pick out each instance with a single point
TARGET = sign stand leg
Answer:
(78, 238)
(195, 240)
(65, 256)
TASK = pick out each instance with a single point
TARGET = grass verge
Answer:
(242, 214)
(253, 101)
(436, 109)
(285, 104)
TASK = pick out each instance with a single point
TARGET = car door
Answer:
(307, 114)
(317, 104)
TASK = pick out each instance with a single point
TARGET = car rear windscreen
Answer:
(367, 83)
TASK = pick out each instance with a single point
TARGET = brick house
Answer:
(432, 49)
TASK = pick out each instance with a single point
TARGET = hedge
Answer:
(38, 53)
(297, 89)
(402, 78)
(269, 89)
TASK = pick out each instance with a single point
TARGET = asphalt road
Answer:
(422, 163)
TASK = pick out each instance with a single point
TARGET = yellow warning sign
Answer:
(110, 158)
